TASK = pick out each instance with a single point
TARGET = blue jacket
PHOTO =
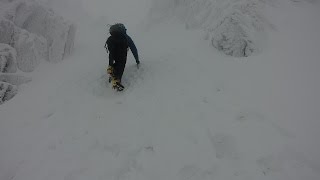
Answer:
(133, 48)
(131, 45)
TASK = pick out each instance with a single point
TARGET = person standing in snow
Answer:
(117, 45)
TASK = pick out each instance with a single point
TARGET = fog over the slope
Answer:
(125, 11)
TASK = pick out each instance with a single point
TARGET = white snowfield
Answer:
(190, 112)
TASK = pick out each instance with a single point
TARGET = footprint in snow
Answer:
(224, 145)
(192, 172)
(269, 164)
(75, 174)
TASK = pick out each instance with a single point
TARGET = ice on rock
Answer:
(234, 27)
(30, 33)
(31, 49)
(14, 79)
(7, 59)
(7, 91)
(32, 20)
(39, 20)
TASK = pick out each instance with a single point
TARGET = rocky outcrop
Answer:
(234, 27)
(7, 91)
(30, 33)
(7, 59)
(36, 33)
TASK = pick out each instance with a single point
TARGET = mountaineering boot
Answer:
(109, 70)
(116, 84)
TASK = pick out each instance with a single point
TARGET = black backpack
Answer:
(117, 29)
(117, 43)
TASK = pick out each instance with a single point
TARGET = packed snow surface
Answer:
(189, 112)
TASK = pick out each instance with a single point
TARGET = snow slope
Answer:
(188, 113)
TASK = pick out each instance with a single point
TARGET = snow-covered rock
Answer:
(7, 91)
(7, 59)
(30, 48)
(234, 27)
(232, 39)
(14, 79)
(30, 33)
(43, 23)
(7, 30)
(236, 32)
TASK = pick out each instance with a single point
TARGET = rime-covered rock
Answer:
(234, 27)
(29, 34)
(14, 79)
(232, 39)
(30, 48)
(7, 59)
(7, 30)
(40, 20)
(32, 20)
(7, 91)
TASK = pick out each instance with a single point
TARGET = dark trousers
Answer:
(118, 67)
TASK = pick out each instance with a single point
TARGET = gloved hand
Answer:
(110, 70)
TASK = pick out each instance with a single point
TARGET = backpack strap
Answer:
(105, 46)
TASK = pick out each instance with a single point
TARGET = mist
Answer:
(125, 11)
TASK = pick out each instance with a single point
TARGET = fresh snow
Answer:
(189, 112)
